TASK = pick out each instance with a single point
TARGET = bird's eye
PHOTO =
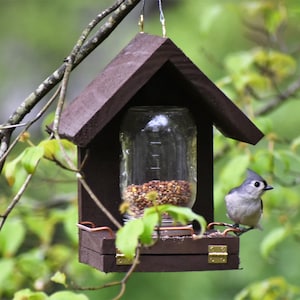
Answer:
(256, 184)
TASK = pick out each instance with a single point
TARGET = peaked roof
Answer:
(128, 72)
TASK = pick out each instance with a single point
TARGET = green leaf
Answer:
(295, 144)
(274, 13)
(275, 17)
(31, 158)
(209, 17)
(128, 237)
(280, 64)
(251, 79)
(269, 289)
(11, 169)
(67, 295)
(239, 62)
(234, 170)
(272, 240)
(42, 227)
(265, 124)
(60, 278)
(32, 263)
(296, 230)
(71, 216)
(52, 149)
(262, 161)
(27, 294)
(11, 237)
(7, 268)
(184, 215)
(150, 220)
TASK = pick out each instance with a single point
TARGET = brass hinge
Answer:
(217, 254)
(122, 260)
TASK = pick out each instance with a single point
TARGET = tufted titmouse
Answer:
(243, 203)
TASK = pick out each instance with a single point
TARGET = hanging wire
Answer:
(141, 21)
(162, 18)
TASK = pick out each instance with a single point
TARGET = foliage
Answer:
(28, 160)
(271, 288)
(141, 230)
(249, 49)
(30, 295)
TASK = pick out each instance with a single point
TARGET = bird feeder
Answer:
(151, 75)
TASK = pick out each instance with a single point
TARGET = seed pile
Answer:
(176, 192)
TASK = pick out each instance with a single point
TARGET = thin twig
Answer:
(29, 124)
(122, 282)
(21, 191)
(69, 65)
(15, 200)
(85, 185)
(2, 127)
(120, 9)
(97, 201)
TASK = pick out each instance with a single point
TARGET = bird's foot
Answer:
(212, 224)
(235, 228)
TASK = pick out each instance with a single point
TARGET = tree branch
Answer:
(272, 104)
(118, 11)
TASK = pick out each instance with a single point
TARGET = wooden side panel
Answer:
(204, 204)
(101, 171)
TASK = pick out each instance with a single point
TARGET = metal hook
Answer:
(92, 228)
(141, 21)
(162, 18)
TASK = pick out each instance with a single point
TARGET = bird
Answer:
(244, 204)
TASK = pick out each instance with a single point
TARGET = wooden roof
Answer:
(130, 71)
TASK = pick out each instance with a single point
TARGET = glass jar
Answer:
(158, 155)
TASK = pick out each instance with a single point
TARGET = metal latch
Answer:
(217, 254)
(121, 260)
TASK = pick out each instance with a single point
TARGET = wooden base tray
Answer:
(168, 254)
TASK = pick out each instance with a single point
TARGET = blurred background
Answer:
(251, 50)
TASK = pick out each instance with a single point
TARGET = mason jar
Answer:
(158, 160)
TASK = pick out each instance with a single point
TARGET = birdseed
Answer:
(175, 192)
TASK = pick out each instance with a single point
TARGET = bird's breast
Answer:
(243, 210)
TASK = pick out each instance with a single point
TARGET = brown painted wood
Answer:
(137, 63)
(102, 243)
(101, 171)
(151, 70)
(158, 263)
(167, 255)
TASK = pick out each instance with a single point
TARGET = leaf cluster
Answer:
(139, 232)
(27, 161)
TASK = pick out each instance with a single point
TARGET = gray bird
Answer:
(244, 204)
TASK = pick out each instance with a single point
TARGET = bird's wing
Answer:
(233, 190)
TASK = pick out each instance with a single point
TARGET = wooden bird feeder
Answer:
(150, 71)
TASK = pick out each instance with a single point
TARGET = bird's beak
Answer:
(268, 187)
